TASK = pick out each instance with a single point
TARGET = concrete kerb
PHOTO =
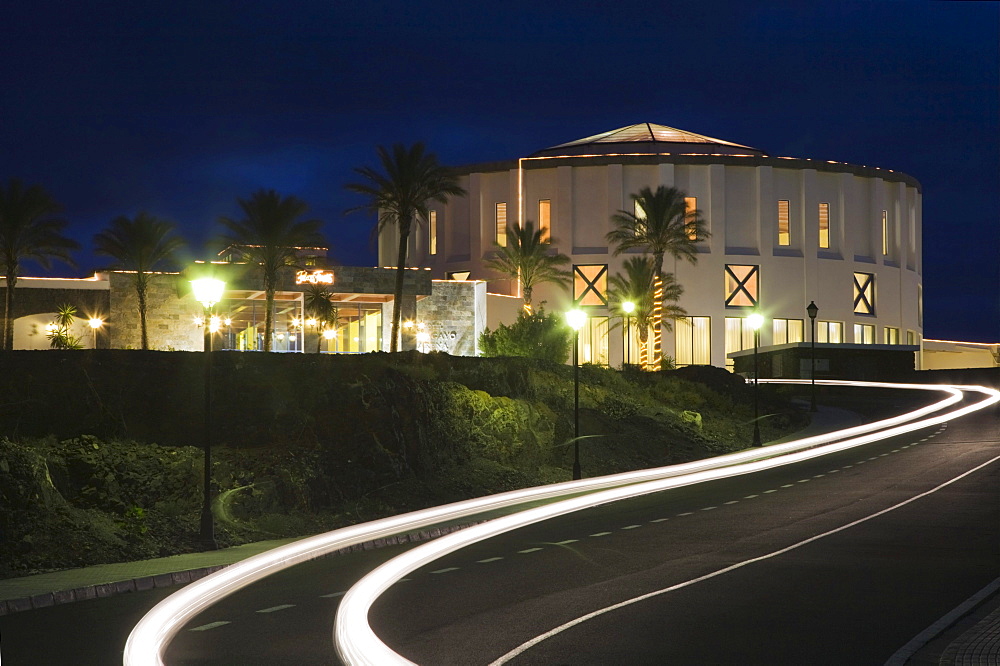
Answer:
(176, 578)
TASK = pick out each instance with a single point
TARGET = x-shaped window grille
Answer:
(864, 293)
(590, 284)
(741, 286)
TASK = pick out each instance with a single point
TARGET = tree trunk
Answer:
(8, 311)
(268, 313)
(397, 297)
(657, 319)
(527, 299)
(140, 292)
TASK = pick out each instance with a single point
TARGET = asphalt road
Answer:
(852, 597)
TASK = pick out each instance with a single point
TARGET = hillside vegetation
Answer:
(323, 443)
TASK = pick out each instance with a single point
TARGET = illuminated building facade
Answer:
(784, 232)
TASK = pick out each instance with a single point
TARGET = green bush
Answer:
(538, 335)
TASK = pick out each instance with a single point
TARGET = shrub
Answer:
(537, 335)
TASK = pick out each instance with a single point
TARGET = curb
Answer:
(144, 583)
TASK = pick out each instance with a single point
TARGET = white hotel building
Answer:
(784, 232)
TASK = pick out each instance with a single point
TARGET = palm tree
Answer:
(28, 230)
(141, 245)
(269, 235)
(527, 259)
(661, 224)
(399, 196)
(636, 285)
(319, 305)
(60, 335)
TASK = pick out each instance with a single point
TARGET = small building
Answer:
(832, 361)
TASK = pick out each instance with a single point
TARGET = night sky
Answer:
(178, 108)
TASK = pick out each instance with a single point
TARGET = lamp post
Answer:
(576, 319)
(629, 308)
(756, 320)
(812, 310)
(208, 292)
(95, 323)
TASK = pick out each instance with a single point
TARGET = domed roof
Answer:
(648, 138)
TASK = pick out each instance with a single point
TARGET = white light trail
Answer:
(149, 638)
(358, 645)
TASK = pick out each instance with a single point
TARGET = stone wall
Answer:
(170, 313)
(454, 316)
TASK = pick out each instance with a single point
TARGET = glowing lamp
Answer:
(95, 322)
(576, 319)
(628, 307)
(208, 291)
(756, 320)
(329, 334)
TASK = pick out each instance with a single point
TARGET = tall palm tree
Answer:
(269, 235)
(660, 225)
(636, 285)
(141, 245)
(28, 230)
(410, 178)
(527, 259)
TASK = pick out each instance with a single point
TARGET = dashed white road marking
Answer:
(600, 534)
(658, 520)
(447, 569)
(631, 527)
(529, 550)
(733, 502)
(773, 490)
(686, 513)
(210, 625)
(488, 560)
(332, 595)
(708, 508)
(272, 609)
(566, 542)
(787, 485)
(751, 496)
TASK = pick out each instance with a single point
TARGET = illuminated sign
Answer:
(314, 277)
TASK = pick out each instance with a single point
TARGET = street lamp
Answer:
(629, 308)
(208, 292)
(576, 319)
(756, 320)
(95, 323)
(812, 310)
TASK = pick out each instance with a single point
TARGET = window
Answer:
(590, 284)
(829, 331)
(864, 334)
(891, 335)
(593, 341)
(911, 338)
(788, 330)
(784, 229)
(693, 337)
(638, 211)
(739, 336)
(501, 224)
(885, 233)
(741, 285)
(432, 232)
(864, 293)
(690, 207)
(824, 225)
(545, 219)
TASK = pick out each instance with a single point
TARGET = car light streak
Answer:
(357, 644)
(149, 638)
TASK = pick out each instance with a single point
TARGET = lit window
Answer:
(690, 207)
(739, 336)
(864, 293)
(638, 211)
(741, 285)
(911, 338)
(501, 226)
(864, 334)
(824, 225)
(693, 337)
(593, 341)
(545, 219)
(432, 232)
(830, 331)
(891, 335)
(784, 229)
(885, 233)
(590, 284)
(788, 330)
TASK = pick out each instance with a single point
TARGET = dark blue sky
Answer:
(179, 108)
